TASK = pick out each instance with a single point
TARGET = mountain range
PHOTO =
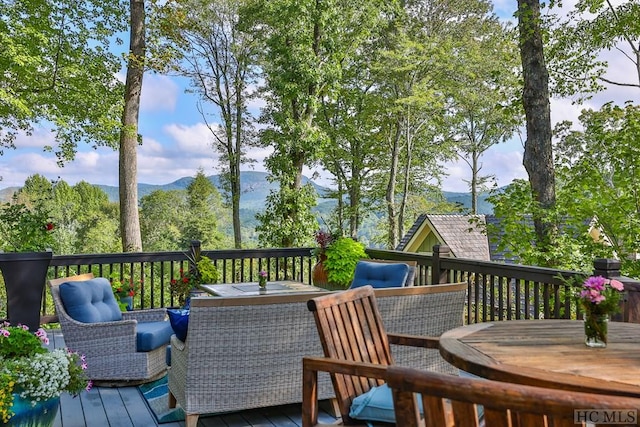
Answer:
(256, 187)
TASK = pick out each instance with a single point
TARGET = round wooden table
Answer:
(548, 353)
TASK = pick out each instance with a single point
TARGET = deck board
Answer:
(125, 407)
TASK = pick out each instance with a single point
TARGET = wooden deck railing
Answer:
(497, 291)
(153, 271)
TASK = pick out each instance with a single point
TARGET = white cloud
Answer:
(564, 109)
(191, 141)
(188, 149)
(41, 137)
(159, 93)
(98, 167)
(505, 165)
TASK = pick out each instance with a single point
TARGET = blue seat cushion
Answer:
(179, 322)
(151, 335)
(90, 301)
(376, 405)
(380, 275)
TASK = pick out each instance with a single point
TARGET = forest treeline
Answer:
(380, 94)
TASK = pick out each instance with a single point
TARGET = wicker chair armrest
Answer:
(87, 336)
(414, 340)
(148, 315)
(178, 345)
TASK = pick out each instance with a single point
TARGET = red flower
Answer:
(49, 226)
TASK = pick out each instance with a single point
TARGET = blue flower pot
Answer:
(42, 414)
(128, 302)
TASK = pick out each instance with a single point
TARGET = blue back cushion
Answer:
(380, 275)
(179, 322)
(90, 301)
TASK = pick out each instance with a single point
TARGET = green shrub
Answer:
(342, 256)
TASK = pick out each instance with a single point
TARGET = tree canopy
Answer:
(59, 70)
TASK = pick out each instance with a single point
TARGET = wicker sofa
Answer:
(246, 352)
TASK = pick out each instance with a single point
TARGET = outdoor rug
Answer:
(156, 394)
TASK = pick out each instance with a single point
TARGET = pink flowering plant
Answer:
(262, 278)
(28, 369)
(600, 296)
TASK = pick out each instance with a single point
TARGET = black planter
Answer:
(25, 275)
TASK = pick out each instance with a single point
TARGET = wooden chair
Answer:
(356, 345)
(451, 401)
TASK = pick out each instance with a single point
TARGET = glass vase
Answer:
(596, 327)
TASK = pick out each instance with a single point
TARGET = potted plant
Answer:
(27, 396)
(319, 273)
(124, 290)
(25, 241)
(338, 257)
(201, 270)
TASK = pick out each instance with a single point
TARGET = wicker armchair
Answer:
(110, 347)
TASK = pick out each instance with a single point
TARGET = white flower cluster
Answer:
(43, 376)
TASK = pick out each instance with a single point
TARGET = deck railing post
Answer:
(605, 267)
(438, 274)
(630, 304)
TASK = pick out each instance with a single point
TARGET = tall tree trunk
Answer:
(234, 164)
(390, 195)
(129, 218)
(406, 179)
(474, 181)
(538, 152)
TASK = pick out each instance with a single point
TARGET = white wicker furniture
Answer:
(242, 353)
(246, 352)
(110, 347)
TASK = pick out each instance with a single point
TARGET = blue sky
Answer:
(176, 141)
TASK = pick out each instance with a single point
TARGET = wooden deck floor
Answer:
(125, 407)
